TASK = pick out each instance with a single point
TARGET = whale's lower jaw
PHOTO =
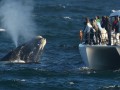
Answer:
(18, 61)
(14, 61)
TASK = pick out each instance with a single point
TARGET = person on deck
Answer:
(98, 23)
(95, 26)
(115, 27)
(103, 22)
(118, 32)
(89, 32)
(108, 27)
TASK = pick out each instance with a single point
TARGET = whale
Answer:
(28, 52)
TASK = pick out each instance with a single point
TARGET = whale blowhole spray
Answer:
(17, 19)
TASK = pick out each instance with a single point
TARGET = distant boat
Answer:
(101, 57)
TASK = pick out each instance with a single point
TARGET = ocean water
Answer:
(61, 66)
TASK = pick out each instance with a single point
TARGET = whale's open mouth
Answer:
(41, 42)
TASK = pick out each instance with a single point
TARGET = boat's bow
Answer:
(100, 57)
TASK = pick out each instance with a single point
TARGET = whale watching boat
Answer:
(102, 56)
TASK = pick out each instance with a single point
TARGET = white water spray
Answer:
(17, 19)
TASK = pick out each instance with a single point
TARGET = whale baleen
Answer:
(28, 52)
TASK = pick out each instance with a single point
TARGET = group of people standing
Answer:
(94, 28)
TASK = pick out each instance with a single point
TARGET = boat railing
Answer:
(100, 38)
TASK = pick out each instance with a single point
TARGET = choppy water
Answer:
(59, 21)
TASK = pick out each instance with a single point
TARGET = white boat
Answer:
(101, 57)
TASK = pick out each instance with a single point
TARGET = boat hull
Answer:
(100, 57)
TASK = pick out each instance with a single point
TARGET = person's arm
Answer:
(81, 35)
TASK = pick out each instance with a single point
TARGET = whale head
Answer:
(28, 52)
